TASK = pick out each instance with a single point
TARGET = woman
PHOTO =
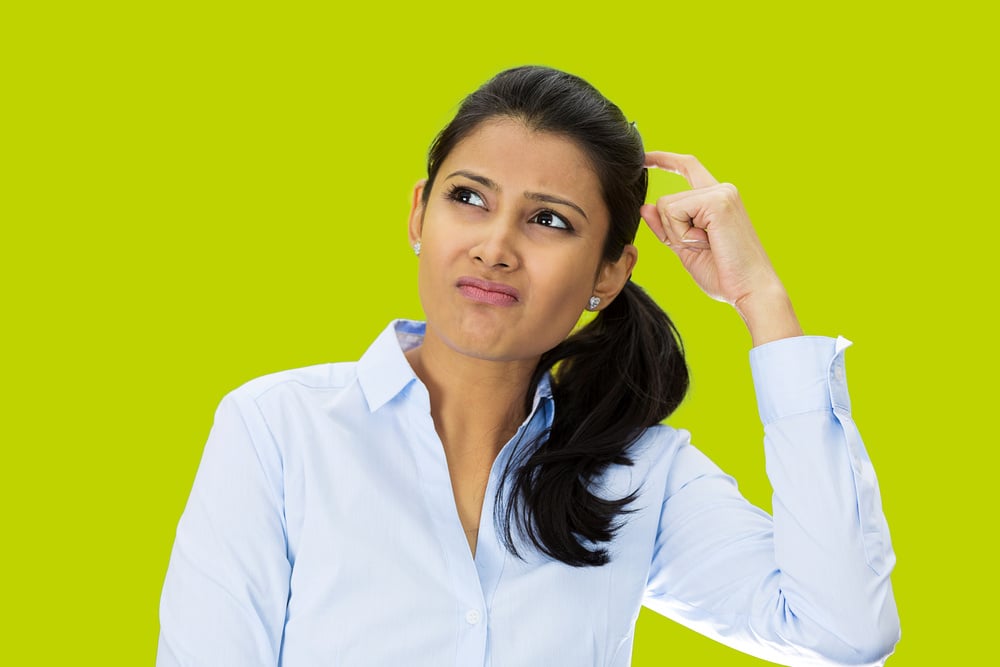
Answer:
(447, 501)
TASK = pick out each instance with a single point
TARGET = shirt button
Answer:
(838, 372)
(473, 616)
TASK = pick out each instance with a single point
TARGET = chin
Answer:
(491, 335)
(487, 344)
(489, 349)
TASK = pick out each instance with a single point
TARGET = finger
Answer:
(687, 166)
(686, 220)
(686, 223)
(702, 207)
(649, 213)
(695, 239)
(671, 231)
(682, 234)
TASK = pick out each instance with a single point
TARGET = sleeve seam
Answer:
(272, 484)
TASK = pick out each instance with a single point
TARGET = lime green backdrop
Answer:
(194, 194)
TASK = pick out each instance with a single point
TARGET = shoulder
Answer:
(275, 388)
(652, 456)
(666, 454)
(274, 410)
(659, 444)
(318, 376)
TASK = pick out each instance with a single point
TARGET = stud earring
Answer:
(594, 302)
(416, 248)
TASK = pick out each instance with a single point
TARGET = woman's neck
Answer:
(477, 404)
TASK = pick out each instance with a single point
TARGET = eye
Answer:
(550, 219)
(465, 196)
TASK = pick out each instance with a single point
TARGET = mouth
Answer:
(486, 291)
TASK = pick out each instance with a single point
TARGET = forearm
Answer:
(830, 536)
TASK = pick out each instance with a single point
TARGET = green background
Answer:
(195, 194)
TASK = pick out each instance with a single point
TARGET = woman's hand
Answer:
(709, 230)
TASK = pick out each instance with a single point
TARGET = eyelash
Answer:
(567, 228)
(457, 192)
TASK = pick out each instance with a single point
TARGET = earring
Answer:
(594, 302)
(416, 248)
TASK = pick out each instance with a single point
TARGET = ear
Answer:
(416, 226)
(612, 276)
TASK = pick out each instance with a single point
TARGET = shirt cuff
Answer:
(802, 374)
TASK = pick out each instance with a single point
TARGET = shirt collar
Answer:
(384, 372)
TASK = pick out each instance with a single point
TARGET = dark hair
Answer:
(621, 373)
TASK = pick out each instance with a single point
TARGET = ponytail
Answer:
(617, 376)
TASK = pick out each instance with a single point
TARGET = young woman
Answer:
(487, 488)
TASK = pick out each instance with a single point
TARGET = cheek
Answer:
(442, 239)
(570, 288)
(573, 296)
(440, 254)
(430, 277)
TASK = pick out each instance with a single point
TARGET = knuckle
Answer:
(730, 192)
(690, 162)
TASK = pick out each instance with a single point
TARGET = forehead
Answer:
(519, 159)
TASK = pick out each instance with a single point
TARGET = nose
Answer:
(496, 247)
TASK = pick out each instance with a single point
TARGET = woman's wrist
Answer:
(769, 315)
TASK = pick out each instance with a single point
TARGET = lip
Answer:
(487, 291)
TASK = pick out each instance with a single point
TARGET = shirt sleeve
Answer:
(810, 585)
(226, 587)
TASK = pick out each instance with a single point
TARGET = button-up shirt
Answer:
(322, 529)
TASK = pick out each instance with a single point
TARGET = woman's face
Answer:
(511, 242)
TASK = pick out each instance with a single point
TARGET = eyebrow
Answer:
(534, 196)
(549, 199)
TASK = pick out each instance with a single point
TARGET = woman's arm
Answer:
(812, 585)
(227, 585)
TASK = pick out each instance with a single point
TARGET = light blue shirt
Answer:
(322, 530)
